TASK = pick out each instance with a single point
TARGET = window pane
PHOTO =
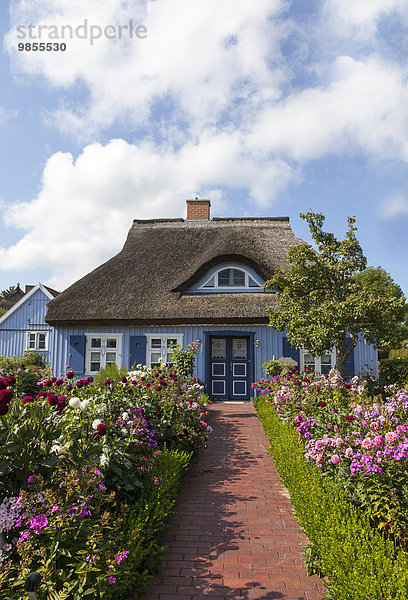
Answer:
(218, 348)
(252, 282)
(224, 277)
(96, 343)
(41, 344)
(111, 343)
(154, 357)
(238, 278)
(325, 369)
(169, 358)
(326, 359)
(210, 283)
(171, 342)
(95, 366)
(111, 358)
(309, 359)
(96, 356)
(31, 340)
(156, 343)
(239, 348)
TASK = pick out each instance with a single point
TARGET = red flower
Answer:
(322, 404)
(3, 409)
(123, 379)
(350, 418)
(90, 379)
(158, 388)
(101, 429)
(5, 396)
(10, 380)
(70, 375)
(52, 399)
(79, 383)
(41, 394)
(3, 383)
(107, 382)
(27, 399)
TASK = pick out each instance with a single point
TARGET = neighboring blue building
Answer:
(23, 327)
(177, 281)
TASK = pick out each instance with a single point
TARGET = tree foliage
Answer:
(4, 293)
(330, 293)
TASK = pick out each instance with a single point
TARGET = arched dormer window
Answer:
(231, 277)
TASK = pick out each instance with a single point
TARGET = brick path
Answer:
(233, 535)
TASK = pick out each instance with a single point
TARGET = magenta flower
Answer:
(101, 429)
(112, 580)
(39, 523)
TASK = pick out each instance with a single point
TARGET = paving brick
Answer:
(234, 533)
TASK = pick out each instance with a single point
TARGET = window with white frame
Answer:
(160, 347)
(319, 364)
(103, 350)
(230, 277)
(37, 341)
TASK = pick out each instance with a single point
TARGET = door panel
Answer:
(229, 367)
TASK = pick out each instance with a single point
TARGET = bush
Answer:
(393, 370)
(355, 559)
(273, 367)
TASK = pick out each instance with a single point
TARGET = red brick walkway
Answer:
(233, 534)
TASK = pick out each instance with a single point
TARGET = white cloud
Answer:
(6, 115)
(362, 109)
(396, 206)
(200, 56)
(359, 18)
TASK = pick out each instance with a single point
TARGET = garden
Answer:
(89, 471)
(341, 448)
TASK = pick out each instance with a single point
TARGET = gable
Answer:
(29, 311)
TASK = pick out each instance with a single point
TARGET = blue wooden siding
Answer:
(270, 345)
(27, 317)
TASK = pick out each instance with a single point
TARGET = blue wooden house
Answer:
(23, 327)
(177, 281)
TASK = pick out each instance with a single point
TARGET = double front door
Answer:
(229, 364)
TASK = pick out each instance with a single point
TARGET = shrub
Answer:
(185, 358)
(355, 559)
(393, 371)
(273, 367)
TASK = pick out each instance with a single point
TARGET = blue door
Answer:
(229, 366)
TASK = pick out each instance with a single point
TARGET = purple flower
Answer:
(39, 523)
(112, 580)
(23, 536)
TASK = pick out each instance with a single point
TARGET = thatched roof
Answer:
(11, 298)
(144, 283)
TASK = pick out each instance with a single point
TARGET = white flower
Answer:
(96, 423)
(75, 403)
(354, 380)
(104, 460)
(124, 431)
(125, 416)
(84, 404)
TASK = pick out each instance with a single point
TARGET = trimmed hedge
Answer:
(393, 370)
(356, 560)
(149, 518)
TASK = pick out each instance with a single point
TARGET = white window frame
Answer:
(163, 349)
(37, 335)
(103, 350)
(246, 285)
(317, 360)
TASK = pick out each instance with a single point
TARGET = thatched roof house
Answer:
(150, 281)
(177, 281)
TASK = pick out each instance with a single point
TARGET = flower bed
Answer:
(354, 442)
(88, 475)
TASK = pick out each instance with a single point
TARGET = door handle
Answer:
(230, 366)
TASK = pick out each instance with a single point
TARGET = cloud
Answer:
(199, 58)
(395, 206)
(86, 206)
(6, 115)
(360, 20)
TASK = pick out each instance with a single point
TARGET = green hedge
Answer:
(393, 370)
(356, 560)
(149, 518)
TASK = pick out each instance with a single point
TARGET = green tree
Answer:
(4, 293)
(324, 296)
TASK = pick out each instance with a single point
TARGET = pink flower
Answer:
(379, 441)
(367, 443)
(335, 459)
(319, 444)
(349, 452)
(391, 437)
(112, 580)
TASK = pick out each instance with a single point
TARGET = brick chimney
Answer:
(198, 210)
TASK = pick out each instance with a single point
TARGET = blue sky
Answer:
(270, 108)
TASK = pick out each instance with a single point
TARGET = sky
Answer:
(266, 107)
